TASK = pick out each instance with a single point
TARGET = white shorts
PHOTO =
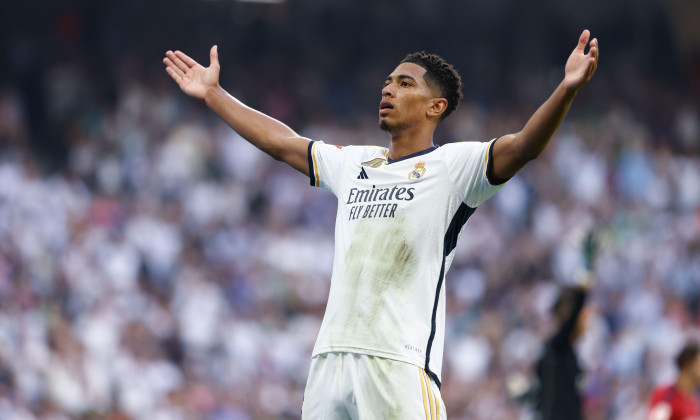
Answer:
(349, 386)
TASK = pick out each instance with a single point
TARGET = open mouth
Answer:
(383, 106)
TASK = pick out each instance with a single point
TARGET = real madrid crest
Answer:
(417, 172)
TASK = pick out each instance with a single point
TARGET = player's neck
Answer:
(685, 384)
(408, 143)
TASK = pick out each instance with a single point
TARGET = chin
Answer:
(388, 126)
(393, 129)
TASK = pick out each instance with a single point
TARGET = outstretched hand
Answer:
(580, 66)
(192, 78)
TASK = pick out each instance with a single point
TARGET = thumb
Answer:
(583, 40)
(214, 55)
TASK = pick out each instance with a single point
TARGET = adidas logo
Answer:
(363, 174)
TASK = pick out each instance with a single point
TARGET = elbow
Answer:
(275, 149)
(279, 152)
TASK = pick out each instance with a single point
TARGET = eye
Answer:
(405, 84)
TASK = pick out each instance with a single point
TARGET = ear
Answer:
(436, 107)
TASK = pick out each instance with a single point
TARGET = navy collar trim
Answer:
(422, 152)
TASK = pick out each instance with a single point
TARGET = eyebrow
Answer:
(399, 77)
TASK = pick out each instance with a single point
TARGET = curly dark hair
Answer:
(687, 355)
(440, 76)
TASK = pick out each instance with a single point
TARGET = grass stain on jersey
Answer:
(378, 263)
(394, 413)
(380, 251)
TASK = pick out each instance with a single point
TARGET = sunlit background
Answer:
(153, 265)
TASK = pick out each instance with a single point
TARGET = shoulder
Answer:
(660, 390)
(664, 393)
(360, 149)
(466, 144)
(370, 150)
(466, 148)
(365, 153)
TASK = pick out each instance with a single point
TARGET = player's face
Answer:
(406, 98)
(696, 370)
(583, 322)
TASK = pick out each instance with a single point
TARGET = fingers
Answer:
(173, 73)
(177, 61)
(594, 50)
(174, 68)
(185, 59)
(592, 66)
(583, 40)
(593, 54)
(214, 55)
(592, 60)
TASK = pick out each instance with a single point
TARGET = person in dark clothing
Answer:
(558, 372)
(559, 375)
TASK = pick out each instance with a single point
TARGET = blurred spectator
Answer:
(559, 375)
(679, 401)
(153, 265)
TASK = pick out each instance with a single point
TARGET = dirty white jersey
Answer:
(396, 230)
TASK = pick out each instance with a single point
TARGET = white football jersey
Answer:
(396, 230)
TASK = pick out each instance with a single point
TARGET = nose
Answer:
(388, 90)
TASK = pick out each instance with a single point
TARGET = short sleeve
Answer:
(325, 165)
(467, 163)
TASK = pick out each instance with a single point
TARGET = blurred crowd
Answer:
(166, 269)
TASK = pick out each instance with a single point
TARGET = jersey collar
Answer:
(422, 152)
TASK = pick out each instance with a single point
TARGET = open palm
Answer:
(192, 78)
(580, 66)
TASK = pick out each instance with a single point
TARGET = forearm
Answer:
(513, 151)
(540, 128)
(563, 335)
(264, 132)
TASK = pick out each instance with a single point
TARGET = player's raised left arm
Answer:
(512, 151)
(262, 131)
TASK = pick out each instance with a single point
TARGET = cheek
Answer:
(414, 105)
(586, 318)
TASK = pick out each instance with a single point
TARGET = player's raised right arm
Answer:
(264, 132)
